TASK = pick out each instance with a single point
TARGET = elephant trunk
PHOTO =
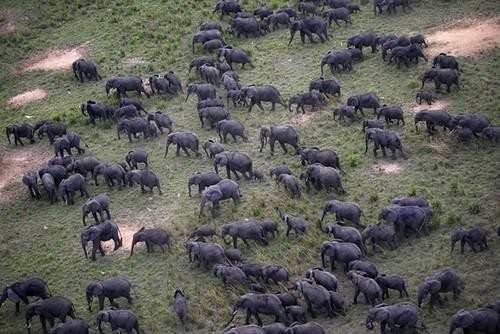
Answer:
(84, 246)
(323, 251)
(89, 300)
(189, 187)
(366, 142)
(166, 150)
(82, 108)
(216, 167)
(323, 63)
(325, 211)
(7, 132)
(134, 241)
(292, 34)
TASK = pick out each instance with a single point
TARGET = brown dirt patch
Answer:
(303, 118)
(131, 62)
(438, 105)
(10, 20)
(55, 60)
(389, 167)
(465, 38)
(15, 163)
(27, 97)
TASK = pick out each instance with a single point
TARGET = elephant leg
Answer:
(245, 242)
(288, 230)
(94, 214)
(259, 320)
(259, 104)
(248, 317)
(186, 151)
(283, 147)
(112, 302)
(43, 321)
(356, 294)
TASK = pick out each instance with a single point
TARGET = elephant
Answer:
(247, 229)
(365, 285)
(341, 59)
(212, 45)
(134, 157)
(491, 133)
(284, 134)
(433, 118)
(475, 122)
(83, 166)
(344, 252)
(198, 62)
(66, 143)
(428, 97)
(393, 282)
(230, 275)
(313, 99)
(275, 172)
(160, 85)
(443, 281)
(286, 298)
(481, 320)
(227, 7)
(400, 315)
(125, 84)
(234, 162)
(405, 218)
(96, 205)
(234, 255)
(185, 140)
(405, 54)
(390, 43)
(372, 124)
(383, 139)
(296, 314)
(30, 180)
(212, 148)
(203, 91)
(344, 233)
(99, 233)
(367, 268)
(230, 80)
(343, 211)
(210, 74)
(205, 36)
(411, 201)
(316, 297)
(237, 96)
(463, 135)
(263, 12)
(180, 305)
(307, 7)
(255, 303)
(246, 26)
(277, 19)
(68, 186)
(446, 61)
(252, 270)
(76, 326)
(369, 39)
(202, 232)
(49, 184)
(322, 177)
(393, 4)
(203, 180)
(446, 76)
(96, 110)
(52, 129)
(233, 127)
(391, 113)
(127, 111)
(247, 329)
(475, 236)
(85, 67)
(206, 253)
(225, 189)
(365, 100)
(291, 184)
(324, 278)
(208, 103)
(314, 155)
(110, 288)
(235, 56)
(418, 39)
(151, 237)
(61, 161)
(345, 112)
(20, 291)
(125, 101)
(49, 309)
(132, 127)
(111, 173)
(337, 3)
(118, 320)
(269, 226)
(56, 171)
(145, 178)
(296, 223)
(337, 14)
(307, 328)
(379, 234)
(19, 131)
(213, 115)
(309, 26)
(259, 94)
(174, 82)
(210, 26)
(325, 86)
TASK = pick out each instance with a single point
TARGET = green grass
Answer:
(460, 180)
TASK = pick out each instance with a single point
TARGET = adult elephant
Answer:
(160, 85)
(200, 61)
(327, 87)
(110, 288)
(475, 236)
(206, 253)
(446, 61)
(126, 84)
(111, 173)
(30, 180)
(433, 118)
(246, 26)
(225, 189)
(151, 237)
(184, 141)
(405, 218)
(57, 172)
(337, 60)
(73, 326)
(255, 304)
(206, 35)
(234, 162)
(400, 315)
(309, 26)
(365, 100)
(203, 91)
(203, 180)
(322, 177)
(245, 230)
(481, 320)
(162, 121)
(227, 7)
(67, 188)
(314, 155)
(361, 40)
(118, 320)
(313, 99)
(475, 122)
(405, 54)
(344, 233)
(379, 234)
(444, 281)
(20, 291)
(51, 129)
(365, 285)
(307, 328)
(316, 297)
(445, 76)
(97, 205)
(284, 134)
(100, 233)
(96, 110)
(349, 211)
(49, 310)
(19, 131)
(132, 127)
(383, 139)
(85, 67)
(144, 178)
(213, 115)
(344, 252)
(232, 127)
(235, 56)
(259, 94)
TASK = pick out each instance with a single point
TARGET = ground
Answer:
(148, 37)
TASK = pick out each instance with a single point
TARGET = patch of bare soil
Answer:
(389, 167)
(131, 62)
(304, 118)
(127, 231)
(438, 105)
(17, 162)
(10, 19)
(55, 60)
(27, 97)
(465, 38)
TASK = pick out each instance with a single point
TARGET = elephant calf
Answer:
(291, 184)
(96, 205)
(365, 285)
(49, 310)
(230, 275)
(180, 305)
(77, 326)
(67, 188)
(145, 178)
(475, 236)
(118, 320)
(30, 180)
(400, 315)
(151, 237)
(444, 281)
(225, 189)
(297, 224)
(393, 282)
(110, 288)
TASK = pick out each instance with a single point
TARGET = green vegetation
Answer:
(461, 181)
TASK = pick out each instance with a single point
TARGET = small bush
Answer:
(353, 159)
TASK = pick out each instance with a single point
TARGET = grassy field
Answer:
(461, 181)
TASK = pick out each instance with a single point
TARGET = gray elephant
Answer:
(83, 67)
(349, 211)
(444, 281)
(202, 232)
(343, 252)
(125, 101)
(491, 133)
(100, 233)
(314, 155)
(393, 282)
(405, 54)
(144, 178)
(365, 285)
(213, 45)
(225, 189)
(481, 320)
(344, 233)
(428, 97)
(269, 226)
(118, 320)
(379, 234)
(400, 315)
(51, 129)
(210, 102)
(313, 99)
(308, 328)
(61, 161)
(284, 134)
(151, 237)
(296, 314)
(198, 62)
(126, 84)
(291, 184)
(324, 278)
(234, 255)
(30, 180)
(212, 148)
(83, 166)
(361, 40)
(174, 82)
(230, 80)
(246, 26)
(203, 91)
(368, 269)
(337, 60)
(326, 87)
(184, 141)
(277, 19)
(443, 60)
(73, 326)
(206, 253)
(366, 100)
(227, 7)
(19, 131)
(160, 85)
(233, 127)
(162, 121)
(68, 186)
(274, 273)
(235, 56)
(462, 135)
(475, 122)
(391, 113)
(247, 229)
(316, 297)
(136, 156)
(56, 171)
(110, 288)
(234, 162)
(20, 291)
(265, 93)
(404, 218)
(205, 36)
(203, 180)
(475, 236)
(180, 305)
(247, 329)
(112, 173)
(255, 304)
(336, 15)
(49, 184)
(383, 139)
(49, 310)
(372, 124)
(297, 224)
(66, 143)
(275, 172)
(133, 127)
(433, 118)
(96, 205)
(309, 26)
(127, 111)
(213, 115)
(444, 76)
(230, 275)
(95, 110)
(345, 112)
(210, 74)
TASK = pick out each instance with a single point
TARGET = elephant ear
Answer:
(462, 319)
(12, 295)
(381, 314)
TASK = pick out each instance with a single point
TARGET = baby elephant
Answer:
(296, 224)
(180, 305)
(291, 184)
(111, 288)
(144, 178)
(296, 314)
(118, 319)
(475, 236)
(152, 237)
(393, 282)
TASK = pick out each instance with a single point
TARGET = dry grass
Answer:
(55, 60)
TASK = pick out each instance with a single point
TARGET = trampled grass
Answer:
(461, 181)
